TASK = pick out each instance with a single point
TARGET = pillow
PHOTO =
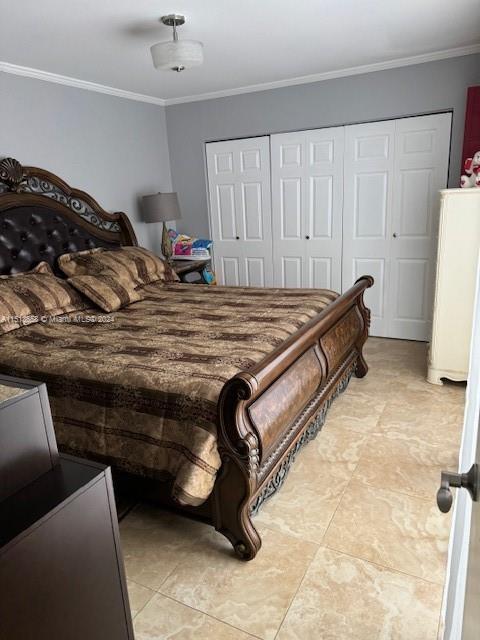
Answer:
(150, 267)
(77, 263)
(106, 290)
(132, 264)
(26, 298)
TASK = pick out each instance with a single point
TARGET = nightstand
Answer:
(61, 566)
(184, 268)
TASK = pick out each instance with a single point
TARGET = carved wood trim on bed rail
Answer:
(21, 186)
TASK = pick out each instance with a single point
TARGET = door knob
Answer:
(468, 481)
(237, 237)
(394, 235)
(307, 237)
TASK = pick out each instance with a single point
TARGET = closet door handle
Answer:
(394, 234)
(307, 237)
(237, 238)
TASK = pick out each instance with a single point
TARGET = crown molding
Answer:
(29, 72)
(330, 75)
(38, 74)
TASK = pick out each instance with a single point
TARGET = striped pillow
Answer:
(78, 263)
(106, 290)
(136, 265)
(34, 296)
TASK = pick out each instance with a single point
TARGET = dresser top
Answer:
(469, 191)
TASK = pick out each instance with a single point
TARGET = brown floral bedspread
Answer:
(141, 391)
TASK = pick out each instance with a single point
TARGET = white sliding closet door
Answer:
(307, 192)
(240, 211)
(393, 172)
(368, 200)
(421, 169)
(320, 208)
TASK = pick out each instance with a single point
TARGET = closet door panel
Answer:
(370, 205)
(291, 217)
(229, 270)
(240, 210)
(252, 210)
(288, 218)
(319, 274)
(255, 271)
(379, 268)
(368, 196)
(421, 170)
(307, 199)
(226, 218)
(324, 205)
(291, 274)
(320, 200)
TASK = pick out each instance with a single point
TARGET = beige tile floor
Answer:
(353, 545)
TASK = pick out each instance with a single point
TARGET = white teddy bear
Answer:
(472, 170)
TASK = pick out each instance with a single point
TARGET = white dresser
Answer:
(458, 252)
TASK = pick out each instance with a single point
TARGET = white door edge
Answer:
(454, 592)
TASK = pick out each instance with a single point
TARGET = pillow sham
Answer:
(106, 290)
(149, 266)
(136, 265)
(77, 263)
(32, 296)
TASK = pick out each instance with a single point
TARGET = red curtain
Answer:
(471, 139)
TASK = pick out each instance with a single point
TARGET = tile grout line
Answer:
(319, 544)
(383, 566)
(208, 615)
(314, 542)
(188, 547)
(323, 545)
(295, 594)
(143, 587)
(401, 493)
(348, 483)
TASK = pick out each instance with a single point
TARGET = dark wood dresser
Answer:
(61, 567)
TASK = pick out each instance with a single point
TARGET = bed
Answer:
(206, 394)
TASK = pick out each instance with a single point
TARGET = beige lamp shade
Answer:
(160, 207)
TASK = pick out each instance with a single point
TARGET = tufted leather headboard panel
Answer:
(41, 218)
(30, 234)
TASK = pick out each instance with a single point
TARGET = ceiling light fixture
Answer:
(176, 54)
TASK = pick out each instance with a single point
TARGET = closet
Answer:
(319, 208)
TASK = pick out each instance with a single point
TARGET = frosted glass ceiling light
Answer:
(176, 54)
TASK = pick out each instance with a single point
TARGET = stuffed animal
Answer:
(472, 171)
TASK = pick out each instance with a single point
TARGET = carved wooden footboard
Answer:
(268, 413)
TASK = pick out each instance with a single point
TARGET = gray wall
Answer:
(115, 149)
(413, 90)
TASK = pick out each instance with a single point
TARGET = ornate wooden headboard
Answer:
(41, 218)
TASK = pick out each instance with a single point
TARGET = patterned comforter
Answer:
(140, 389)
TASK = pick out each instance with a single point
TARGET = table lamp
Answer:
(160, 207)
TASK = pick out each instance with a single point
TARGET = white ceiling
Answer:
(247, 42)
